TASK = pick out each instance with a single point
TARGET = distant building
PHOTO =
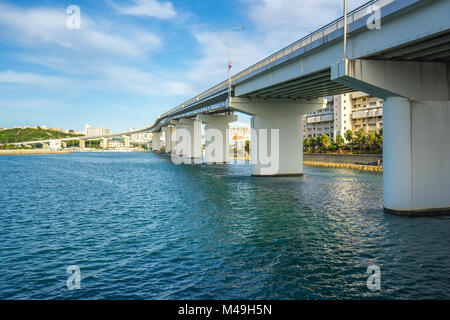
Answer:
(73, 131)
(239, 132)
(115, 143)
(49, 128)
(367, 112)
(95, 132)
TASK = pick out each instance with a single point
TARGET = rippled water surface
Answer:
(141, 227)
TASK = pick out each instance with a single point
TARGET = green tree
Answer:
(361, 138)
(349, 136)
(372, 141)
(313, 144)
(323, 141)
(306, 144)
(247, 146)
(339, 140)
(379, 136)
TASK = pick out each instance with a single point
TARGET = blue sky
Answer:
(133, 60)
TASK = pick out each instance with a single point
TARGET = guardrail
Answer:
(354, 15)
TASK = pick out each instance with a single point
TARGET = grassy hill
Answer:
(29, 134)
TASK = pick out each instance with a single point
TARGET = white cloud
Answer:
(273, 25)
(135, 81)
(211, 67)
(43, 26)
(103, 77)
(163, 10)
(32, 79)
(40, 104)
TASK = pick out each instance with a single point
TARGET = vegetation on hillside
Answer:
(358, 142)
(8, 136)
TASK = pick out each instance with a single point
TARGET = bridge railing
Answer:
(358, 13)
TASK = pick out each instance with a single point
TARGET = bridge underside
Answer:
(436, 49)
(312, 86)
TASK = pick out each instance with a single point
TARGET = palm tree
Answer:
(361, 138)
(324, 141)
(372, 140)
(349, 136)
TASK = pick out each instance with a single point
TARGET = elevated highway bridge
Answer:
(405, 62)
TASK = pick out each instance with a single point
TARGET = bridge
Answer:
(406, 62)
(82, 139)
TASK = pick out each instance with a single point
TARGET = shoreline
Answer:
(369, 168)
(43, 152)
(360, 167)
(29, 152)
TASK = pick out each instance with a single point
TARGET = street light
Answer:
(345, 29)
(229, 61)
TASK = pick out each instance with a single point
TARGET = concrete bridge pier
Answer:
(189, 141)
(416, 134)
(217, 138)
(82, 144)
(276, 146)
(416, 156)
(126, 140)
(156, 141)
(105, 143)
(169, 137)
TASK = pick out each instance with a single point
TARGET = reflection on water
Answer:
(142, 227)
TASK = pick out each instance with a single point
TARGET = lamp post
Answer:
(229, 61)
(345, 29)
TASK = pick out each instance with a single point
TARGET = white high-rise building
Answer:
(349, 111)
(95, 132)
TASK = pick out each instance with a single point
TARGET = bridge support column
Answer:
(276, 145)
(416, 155)
(169, 136)
(217, 138)
(105, 143)
(126, 140)
(156, 142)
(416, 134)
(189, 141)
(82, 144)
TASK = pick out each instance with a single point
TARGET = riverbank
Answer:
(344, 165)
(29, 152)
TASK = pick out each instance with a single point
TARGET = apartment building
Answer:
(367, 112)
(350, 111)
(95, 132)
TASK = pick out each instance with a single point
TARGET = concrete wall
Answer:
(368, 159)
